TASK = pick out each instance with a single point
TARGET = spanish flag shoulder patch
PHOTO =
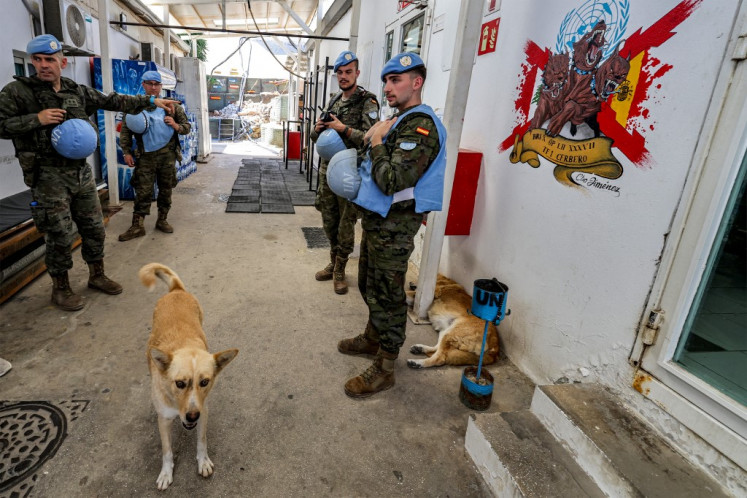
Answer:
(422, 131)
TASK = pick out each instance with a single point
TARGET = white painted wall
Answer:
(579, 263)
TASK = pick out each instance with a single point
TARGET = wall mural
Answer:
(592, 94)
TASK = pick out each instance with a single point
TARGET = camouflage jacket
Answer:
(23, 99)
(359, 112)
(125, 134)
(400, 162)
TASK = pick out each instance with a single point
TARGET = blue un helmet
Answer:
(137, 123)
(328, 144)
(344, 59)
(342, 174)
(74, 139)
(401, 63)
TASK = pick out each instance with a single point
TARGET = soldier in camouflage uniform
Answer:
(387, 242)
(353, 111)
(150, 167)
(63, 190)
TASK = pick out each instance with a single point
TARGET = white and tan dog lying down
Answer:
(181, 369)
(459, 332)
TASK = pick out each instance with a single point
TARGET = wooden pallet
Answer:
(20, 236)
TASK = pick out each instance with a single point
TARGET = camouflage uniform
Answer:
(359, 112)
(388, 242)
(63, 189)
(158, 166)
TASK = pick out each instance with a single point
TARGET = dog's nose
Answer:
(192, 417)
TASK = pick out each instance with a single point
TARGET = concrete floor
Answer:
(280, 424)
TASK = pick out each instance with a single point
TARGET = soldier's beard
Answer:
(349, 87)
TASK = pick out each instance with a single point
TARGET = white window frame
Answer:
(714, 416)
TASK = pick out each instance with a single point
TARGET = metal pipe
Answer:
(219, 30)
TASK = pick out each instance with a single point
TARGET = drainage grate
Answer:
(242, 207)
(278, 208)
(315, 237)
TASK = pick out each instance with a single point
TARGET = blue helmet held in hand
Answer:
(343, 177)
(74, 139)
(137, 123)
(329, 143)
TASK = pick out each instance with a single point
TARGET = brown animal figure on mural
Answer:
(554, 89)
(583, 103)
(459, 331)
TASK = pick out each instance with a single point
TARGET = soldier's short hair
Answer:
(419, 71)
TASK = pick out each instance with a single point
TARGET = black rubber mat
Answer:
(265, 186)
(242, 207)
(315, 237)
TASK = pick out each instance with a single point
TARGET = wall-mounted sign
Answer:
(488, 37)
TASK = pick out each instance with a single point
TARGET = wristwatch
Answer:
(152, 99)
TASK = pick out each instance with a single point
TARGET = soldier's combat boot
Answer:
(162, 224)
(378, 377)
(63, 296)
(341, 286)
(366, 344)
(97, 280)
(328, 271)
(136, 230)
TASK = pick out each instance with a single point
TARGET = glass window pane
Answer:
(713, 345)
(412, 35)
(388, 43)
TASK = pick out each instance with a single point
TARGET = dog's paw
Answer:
(417, 364)
(204, 466)
(417, 349)
(165, 478)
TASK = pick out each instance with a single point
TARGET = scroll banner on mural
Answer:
(592, 156)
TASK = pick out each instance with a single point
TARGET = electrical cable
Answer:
(249, 5)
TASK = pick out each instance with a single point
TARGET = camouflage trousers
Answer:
(381, 278)
(154, 167)
(338, 216)
(65, 195)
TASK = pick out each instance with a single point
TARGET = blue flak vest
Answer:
(428, 192)
(159, 133)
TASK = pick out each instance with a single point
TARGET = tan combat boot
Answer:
(136, 230)
(328, 271)
(97, 280)
(366, 344)
(63, 296)
(162, 224)
(378, 377)
(341, 286)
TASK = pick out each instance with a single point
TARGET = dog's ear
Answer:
(224, 358)
(161, 359)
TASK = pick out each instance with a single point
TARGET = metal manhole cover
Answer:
(31, 432)
(315, 237)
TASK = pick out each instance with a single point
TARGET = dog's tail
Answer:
(149, 272)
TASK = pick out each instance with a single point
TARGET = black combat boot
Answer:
(376, 378)
(97, 280)
(341, 286)
(63, 296)
(162, 224)
(328, 271)
(136, 230)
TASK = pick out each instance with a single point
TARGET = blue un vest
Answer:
(159, 133)
(429, 190)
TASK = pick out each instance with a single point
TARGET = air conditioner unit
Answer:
(158, 56)
(176, 66)
(70, 24)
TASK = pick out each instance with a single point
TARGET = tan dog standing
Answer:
(459, 332)
(181, 369)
